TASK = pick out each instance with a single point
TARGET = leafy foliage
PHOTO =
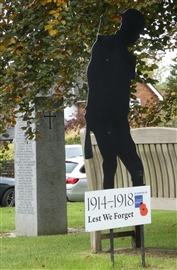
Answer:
(170, 102)
(45, 48)
(145, 116)
(77, 122)
(73, 126)
(7, 155)
(72, 137)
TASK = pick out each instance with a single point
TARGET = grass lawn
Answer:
(72, 251)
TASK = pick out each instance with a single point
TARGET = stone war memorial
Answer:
(40, 184)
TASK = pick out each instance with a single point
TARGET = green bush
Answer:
(72, 137)
(7, 154)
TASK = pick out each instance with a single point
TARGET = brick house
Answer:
(147, 92)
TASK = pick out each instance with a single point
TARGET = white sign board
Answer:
(115, 208)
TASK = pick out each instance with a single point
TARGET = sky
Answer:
(166, 62)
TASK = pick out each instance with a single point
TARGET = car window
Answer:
(73, 152)
(70, 166)
(82, 169)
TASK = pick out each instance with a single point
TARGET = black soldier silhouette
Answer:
(110, 71)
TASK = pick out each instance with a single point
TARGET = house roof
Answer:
(155, 91)
(10, 132)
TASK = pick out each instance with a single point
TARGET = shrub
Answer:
(72, 137)
(73, 126)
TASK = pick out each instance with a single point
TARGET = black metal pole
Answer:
(112, 246)
(142, 245)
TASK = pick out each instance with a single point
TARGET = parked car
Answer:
(76, 181)
(73, 150)
(76, 190)
(7, 191)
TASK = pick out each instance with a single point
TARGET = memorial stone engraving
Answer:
(40, 184)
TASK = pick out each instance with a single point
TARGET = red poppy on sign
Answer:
(143, 209)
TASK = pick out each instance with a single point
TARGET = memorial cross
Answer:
(49, 116)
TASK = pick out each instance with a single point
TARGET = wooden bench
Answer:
(157, 148)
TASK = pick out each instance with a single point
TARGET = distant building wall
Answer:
(144, 93)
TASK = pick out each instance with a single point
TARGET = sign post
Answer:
(112, 246)
(117, 208)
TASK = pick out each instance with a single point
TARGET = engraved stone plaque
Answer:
(40, 181)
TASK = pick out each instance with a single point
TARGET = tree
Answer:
(170, 103)
(45, 48)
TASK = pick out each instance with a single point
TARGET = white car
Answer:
(73, 150)
(76, 181)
